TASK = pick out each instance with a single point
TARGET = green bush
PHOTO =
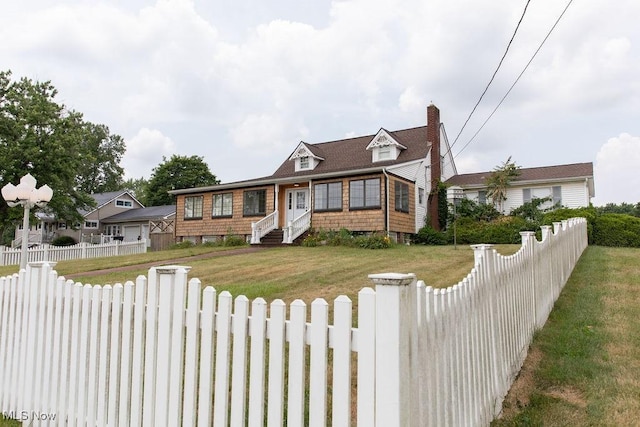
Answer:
(185, 244)
(617, 230)
(374, 241)
(344, 237)
(590, 214)
(504, 230)
(63, 241)
(428, 236)
(234, 240)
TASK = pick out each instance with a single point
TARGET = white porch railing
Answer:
(263, 227)
(296, 227)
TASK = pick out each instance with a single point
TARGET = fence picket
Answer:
(207, 328)
(341, 407)
(189, 405)
(223, 346)
(258, 331)
(318, 351)
(239, 364)
(276, 333)
(103, 354)
(297, 345)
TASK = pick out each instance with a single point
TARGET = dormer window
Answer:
(304, 162)
(384, 153)
(304, 158)
(383, 147)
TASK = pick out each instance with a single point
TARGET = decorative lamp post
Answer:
(454, 195)
(27, 195)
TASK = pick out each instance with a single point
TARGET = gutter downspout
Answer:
(386, 196)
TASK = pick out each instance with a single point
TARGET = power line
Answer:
(517, 79)
(494, 74)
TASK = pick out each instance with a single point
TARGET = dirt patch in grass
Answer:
(520, 392)
(568, 395)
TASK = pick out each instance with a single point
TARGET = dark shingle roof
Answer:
(142, 214)
(352, 154)
(546, 173)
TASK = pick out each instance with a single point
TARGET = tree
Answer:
(138, 187)
(177, 173)
(500, 180)
(100, 169)
(53, 144)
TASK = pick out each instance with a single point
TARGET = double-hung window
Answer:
(223, 205)
(255, 202)
(482, 197)
(91, 224)
(328, 197)
(193, 207)
(556, 195)
(402, 196)
(364, 194)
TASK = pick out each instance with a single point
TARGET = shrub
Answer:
(504, 230)
(428, 236)
(590, 214)
(234, 240)
(374, 241)
(185, 244)
(63, 241)
(617, 230)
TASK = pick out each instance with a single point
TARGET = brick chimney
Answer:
(433, 138)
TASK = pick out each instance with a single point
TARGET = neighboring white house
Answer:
(569, 186)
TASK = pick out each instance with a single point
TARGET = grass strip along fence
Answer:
(164, 351)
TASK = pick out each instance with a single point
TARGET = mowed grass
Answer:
(289, 273)
(583, 367)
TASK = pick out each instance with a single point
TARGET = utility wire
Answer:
(493, 76)
(517, 79)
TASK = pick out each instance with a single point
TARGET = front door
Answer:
(297, 203)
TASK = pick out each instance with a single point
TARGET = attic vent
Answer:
(381, 141)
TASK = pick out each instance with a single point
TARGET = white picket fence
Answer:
(46, 252)
(165, 351)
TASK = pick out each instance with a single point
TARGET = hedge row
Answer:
(603, 229)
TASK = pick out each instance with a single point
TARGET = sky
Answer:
(241, 83)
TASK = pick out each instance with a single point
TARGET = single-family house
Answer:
(142, 223)
(383, 182)
(116, 215)
(570, 186)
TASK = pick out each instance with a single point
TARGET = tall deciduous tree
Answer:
(177, 173)
(100, 169)
(138, 187)
(52, 143)
(500, 180)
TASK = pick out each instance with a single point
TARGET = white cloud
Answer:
(145, 151)
(233, 82)
(616, 171)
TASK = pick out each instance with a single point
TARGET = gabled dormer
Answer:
(384, 147)
(304, 158)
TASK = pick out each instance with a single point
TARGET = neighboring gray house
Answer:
(136, 224)
(134, 220)
(569, 185)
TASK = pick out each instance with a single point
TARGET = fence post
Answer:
(2, 260)
(396, 350)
